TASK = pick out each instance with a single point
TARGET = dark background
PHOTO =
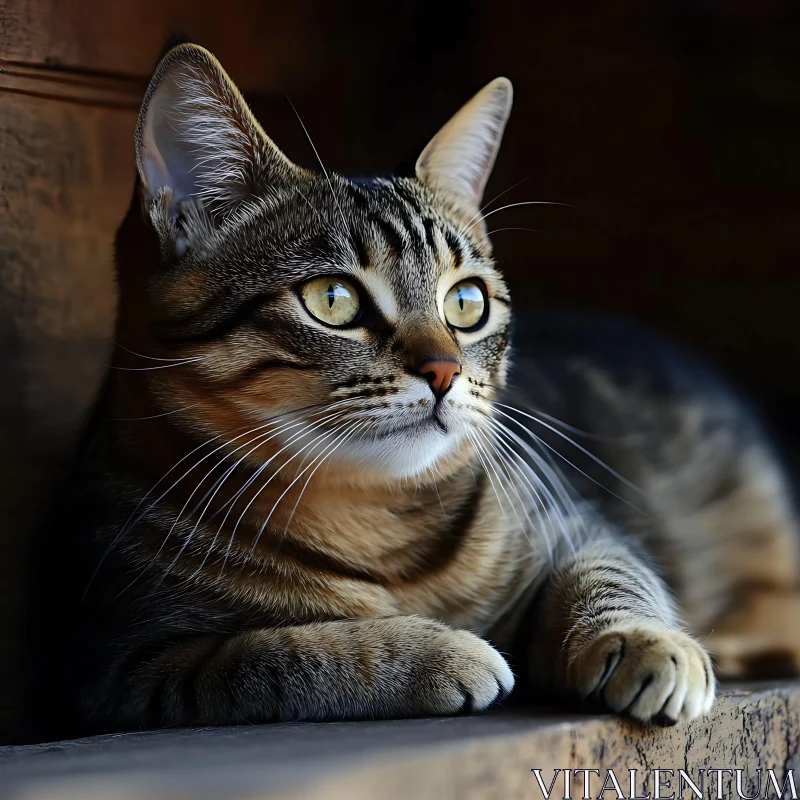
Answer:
(671, 130)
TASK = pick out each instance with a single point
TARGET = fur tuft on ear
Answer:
(197, 139)
(457, 162)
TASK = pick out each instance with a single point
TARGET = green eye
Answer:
(331, 300)
(465, 305)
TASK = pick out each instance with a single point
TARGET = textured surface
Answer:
(475, 757)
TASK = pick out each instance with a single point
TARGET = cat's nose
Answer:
(439, 374)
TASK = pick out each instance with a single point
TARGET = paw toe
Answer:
(653, 675)
(472, 675)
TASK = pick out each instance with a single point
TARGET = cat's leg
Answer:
(605, 628)
(347, 669)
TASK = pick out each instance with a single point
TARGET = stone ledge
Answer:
(486, 756)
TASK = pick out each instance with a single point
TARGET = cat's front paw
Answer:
(463, 673)
(652, 674)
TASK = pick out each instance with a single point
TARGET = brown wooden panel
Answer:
(66, 172)
(77, 87)
(267, 44)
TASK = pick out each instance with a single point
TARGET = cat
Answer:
(329, 477)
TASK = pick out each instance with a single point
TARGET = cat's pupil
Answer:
(460, 299)
(331, 296)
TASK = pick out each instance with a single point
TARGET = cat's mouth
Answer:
(402, 445)
(430, 422)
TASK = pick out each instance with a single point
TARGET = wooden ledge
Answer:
(752, 726)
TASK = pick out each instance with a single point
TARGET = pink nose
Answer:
(439, 374)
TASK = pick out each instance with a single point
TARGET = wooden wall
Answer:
(671, 129)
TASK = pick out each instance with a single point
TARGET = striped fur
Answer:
(273, 519)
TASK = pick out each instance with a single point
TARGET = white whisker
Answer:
(495, 198)
(310, 205)
(505, 191)
(188, 538)
(560, 507)
(479, 453)
(500, 463)
(232, 501)
(134, 520)
(324, 171)
(351, 431)
(153, 358)
(159, 366)
(567, 427)
(537, 503)
(286, 426)
(269, 480)
(154, 416)
(283, 494)
(269, 436)
(529, 230)
(471, 225)
(583, 450)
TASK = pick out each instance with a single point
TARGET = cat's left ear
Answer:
(197, 139)
(458, 161)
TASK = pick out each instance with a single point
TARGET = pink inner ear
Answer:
(156, 174)
(199, 139)
(168, 158)
(459, 159)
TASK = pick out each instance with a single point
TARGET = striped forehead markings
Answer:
(457, 244)
(399, 215)
(393, 237)
(411, 228)
(455, 248)
(361, 249)
(430, 237)
(409, 197)
(410, 209)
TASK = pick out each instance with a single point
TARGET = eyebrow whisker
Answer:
(316, 153)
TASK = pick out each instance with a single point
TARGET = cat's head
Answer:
(365, 319)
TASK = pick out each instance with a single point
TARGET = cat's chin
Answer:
(408, 452)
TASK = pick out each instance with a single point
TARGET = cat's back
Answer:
(617, 406)
(610, 376)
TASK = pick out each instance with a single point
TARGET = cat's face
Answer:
(365, 321)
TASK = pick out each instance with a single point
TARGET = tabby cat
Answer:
(320, 483)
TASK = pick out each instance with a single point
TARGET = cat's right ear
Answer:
(197, 139)
(458, 161)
